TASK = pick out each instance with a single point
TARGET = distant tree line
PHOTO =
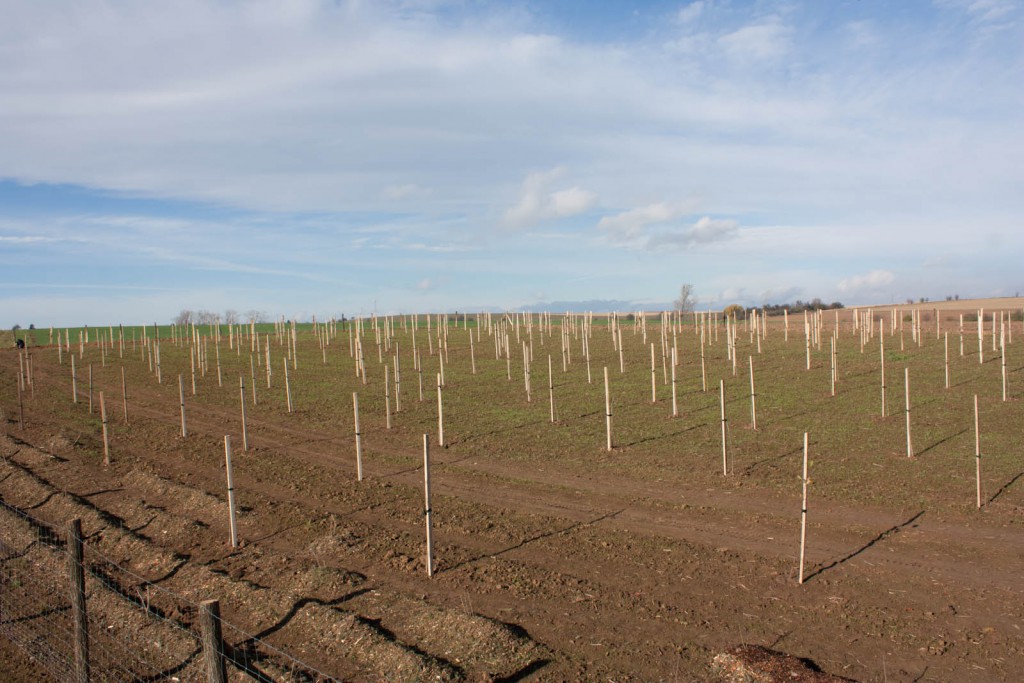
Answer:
(797, 306)
(229, 317)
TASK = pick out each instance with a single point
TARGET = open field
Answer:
(556, 559)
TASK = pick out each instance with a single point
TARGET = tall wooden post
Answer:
(287, 386)
(181, 399)
(213, 643)
(607, 410)
(753, 396)
(725, 451)
(551, 390)
(906, 387)
(79, 619)
(440, 413)
(426, 500)
(803, 514)
(359, 437)
(241, 399)
(232, 525)
(106, 434)
(977, 452)
(124, 395)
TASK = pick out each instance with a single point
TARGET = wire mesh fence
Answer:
(135, 630)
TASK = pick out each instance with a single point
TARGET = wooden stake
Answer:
(977, 452)
(90, 388)
(106, 434)
(241, 400)
(551, 390)
(124, 395)
(181, 397)
(232, 525)
(753, 396)
(906, 386)
(654, 386)
(725, 452)
(387, 399)
(608, 410)
(359, 437)
(426, 501)
(703, 371)
(947, 359)
(1002, 354)
(622, 357)
(803, 515)
(881, 346)
(252, 379)
(675, 403)
(21, 409)
(74, 381)
(440, 414)
(287, 385)
(832, 364)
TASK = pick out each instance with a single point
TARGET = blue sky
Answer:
(331, 157)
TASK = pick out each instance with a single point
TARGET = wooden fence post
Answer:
(79, 621)
(213, 644)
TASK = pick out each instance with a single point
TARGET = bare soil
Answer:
(547, 569)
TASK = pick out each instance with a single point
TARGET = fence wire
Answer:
(138, 631)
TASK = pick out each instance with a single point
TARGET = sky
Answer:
(336, 157)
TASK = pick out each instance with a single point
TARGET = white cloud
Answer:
(655, 226)
(867, 281)
(690, 12)
(767, 40)
(631, 224)
(537, 204)
(705, 231)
